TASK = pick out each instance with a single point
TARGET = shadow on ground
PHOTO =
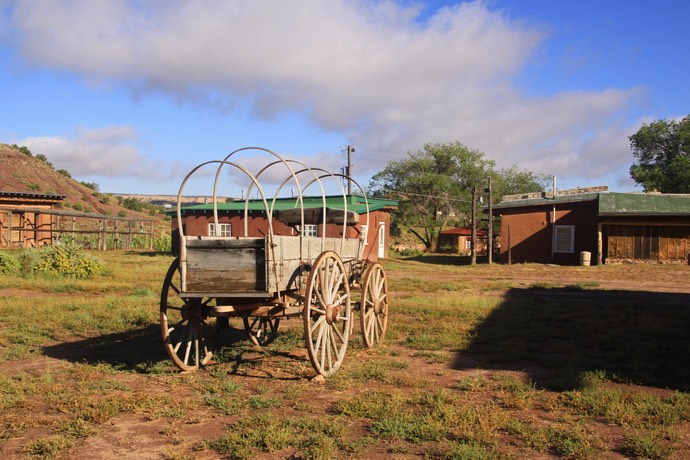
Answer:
(137, 350)
(560, 335)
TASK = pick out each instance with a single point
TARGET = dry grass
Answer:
(479, 362)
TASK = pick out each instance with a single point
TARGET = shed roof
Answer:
(615, 203)
(354, 203)
(547, 201)
(32, 196)
(643, 204)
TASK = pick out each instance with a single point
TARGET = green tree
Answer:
(434, 187)
(511, 181)
(662, 150)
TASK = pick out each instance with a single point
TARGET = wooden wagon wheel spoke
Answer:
(261, 330)
(374, 305)
(323, 328)
(327, 313)
(184, 324)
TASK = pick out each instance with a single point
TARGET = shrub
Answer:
(67, 260)
(9, 265)
(64, 172)
(163, 244)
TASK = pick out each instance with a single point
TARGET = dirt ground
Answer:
(141, 436)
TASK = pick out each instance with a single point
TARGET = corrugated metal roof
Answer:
(45, 196)
(355, 203)
(623, 204)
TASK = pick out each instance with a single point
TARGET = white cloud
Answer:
(369, 69)
(102, 152)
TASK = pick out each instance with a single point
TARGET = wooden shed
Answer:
(607, 226)
(199, 220)
(21, 221)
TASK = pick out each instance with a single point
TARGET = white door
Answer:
(382, 240)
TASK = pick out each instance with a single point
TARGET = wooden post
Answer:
(490, 233)
(473, 250)
(600, 244)
(510, 258)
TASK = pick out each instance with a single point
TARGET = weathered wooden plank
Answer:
(314, 216)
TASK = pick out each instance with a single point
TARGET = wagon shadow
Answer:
(141, 350)
(561, 337)
(136, 349)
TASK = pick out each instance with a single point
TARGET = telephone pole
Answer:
(348, 171)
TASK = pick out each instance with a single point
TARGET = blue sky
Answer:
(133, 94)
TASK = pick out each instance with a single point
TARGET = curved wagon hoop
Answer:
(272, 274)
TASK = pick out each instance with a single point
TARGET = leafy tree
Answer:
(662, 150)
(511, 181)
(434, 187)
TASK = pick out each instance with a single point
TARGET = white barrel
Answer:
(585, 258)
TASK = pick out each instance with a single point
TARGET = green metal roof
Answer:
(615, 203)
(621, 204)
(354, 203)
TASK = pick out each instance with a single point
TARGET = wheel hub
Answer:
(332, 313)
(380, 307)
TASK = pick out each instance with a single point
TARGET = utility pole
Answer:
(473, 251)
(490, 232)
(350, 151)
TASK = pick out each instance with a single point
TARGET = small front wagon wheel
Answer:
(373, 309)
(327, 313)
(185, 324)
(261, 330)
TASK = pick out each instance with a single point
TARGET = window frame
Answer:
(558, 238)
(225, 229)
(310, 230)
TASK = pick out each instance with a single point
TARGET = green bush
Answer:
(67, 260)
(9, 265)
(162, 244)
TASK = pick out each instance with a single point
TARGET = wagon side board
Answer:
(216, 264)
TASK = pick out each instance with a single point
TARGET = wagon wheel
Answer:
(373, 313)
(327, 313)
(187, 334)
(262, 330)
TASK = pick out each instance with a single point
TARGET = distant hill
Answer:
(20, 171)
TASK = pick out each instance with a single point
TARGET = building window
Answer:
(564, 238)
(468, 245)
(364, 234)
(223, 230)
(309, 230)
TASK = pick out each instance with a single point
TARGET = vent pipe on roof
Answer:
(554, 187)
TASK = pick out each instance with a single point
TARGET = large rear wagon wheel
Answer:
(187, 329)
(373, 307)
(327, 313)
